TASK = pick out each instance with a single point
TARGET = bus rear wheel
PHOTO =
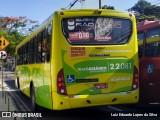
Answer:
(33, 99)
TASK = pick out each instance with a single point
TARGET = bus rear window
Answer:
(96, 30)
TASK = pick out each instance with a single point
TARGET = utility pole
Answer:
(99, 4)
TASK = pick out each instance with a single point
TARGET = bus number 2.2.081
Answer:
(117, 66)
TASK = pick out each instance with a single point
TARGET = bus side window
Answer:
(31, 51)
(39, 48)
(141, 36)
(158, 50)
(25, 53)
(19, 56)
(153, 33)
(140, 48)
(48, 45)
(151, 49)
(44, 42)
(22, 56)
(35, 49)
(140, 51)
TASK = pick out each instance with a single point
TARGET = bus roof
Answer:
(144, 25)
(97, 11)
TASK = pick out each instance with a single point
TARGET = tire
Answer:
(33, 99)
(18, 85)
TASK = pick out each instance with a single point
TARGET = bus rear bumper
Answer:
(61, 102)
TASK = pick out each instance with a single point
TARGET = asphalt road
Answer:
(91, 113)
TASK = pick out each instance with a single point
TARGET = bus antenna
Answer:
(72, 4)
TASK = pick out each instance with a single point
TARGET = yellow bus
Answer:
(80, 58)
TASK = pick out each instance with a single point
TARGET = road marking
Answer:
(17, 98)
(8, 88)
(114, 108)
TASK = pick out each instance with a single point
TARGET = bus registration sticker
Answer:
(100, 86)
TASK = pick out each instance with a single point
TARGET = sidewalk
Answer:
(7, 104)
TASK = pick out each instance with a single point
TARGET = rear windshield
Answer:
(96, 30)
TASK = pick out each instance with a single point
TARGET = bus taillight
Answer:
(61, 87)
(135, 79)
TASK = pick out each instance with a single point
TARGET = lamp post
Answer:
(99, 4)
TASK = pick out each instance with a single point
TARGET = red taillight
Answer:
(135, 79)
(61, 87)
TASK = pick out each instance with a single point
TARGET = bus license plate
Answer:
(100, 86)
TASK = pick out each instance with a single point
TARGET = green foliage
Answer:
(15, 29)
(14, 38)
(21, 24)
(108, 7)
(146, 10)
(140, 6)
(145, 17)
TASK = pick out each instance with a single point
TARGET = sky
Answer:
(40, 10)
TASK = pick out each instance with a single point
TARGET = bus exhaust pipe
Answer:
(88, 101)
(115, 99)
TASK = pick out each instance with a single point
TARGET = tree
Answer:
(108, 7)
(15, 29)
(145, 10)
(21, 24)
(140, 6)
(14, 38)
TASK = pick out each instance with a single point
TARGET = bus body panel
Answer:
(77, 101)
(86, 75)
(149, 76)
(39, 74)
(149, 61)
